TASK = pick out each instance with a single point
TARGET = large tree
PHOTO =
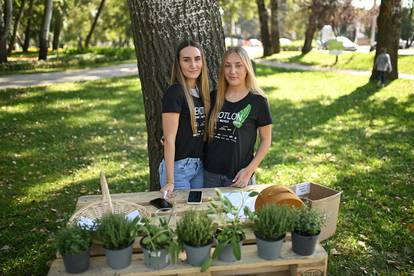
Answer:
(321, 12)
(44, 33)
(389, 28)
(158, 27)
(6, 11)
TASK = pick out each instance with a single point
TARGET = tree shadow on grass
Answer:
(51, 139)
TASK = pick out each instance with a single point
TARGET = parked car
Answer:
(285, 41)
(254, 42)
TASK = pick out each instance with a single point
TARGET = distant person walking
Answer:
(382, 65)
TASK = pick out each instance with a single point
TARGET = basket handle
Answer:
(106, 197)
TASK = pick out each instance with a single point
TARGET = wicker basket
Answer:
(97, 209)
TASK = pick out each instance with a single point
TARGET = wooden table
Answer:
(250, 264)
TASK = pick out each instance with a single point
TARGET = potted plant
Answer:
(73, 243)
(195, 232)
(308, 224)
(117, 234)
(158, 244)
(270, 225)
(230, 236)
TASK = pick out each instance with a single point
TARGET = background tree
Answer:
(6, 11)
(389, 28)
(44, 34)
(274, 26)
(158, 27)
(16, 25)
(95, 21)
(407, 25)
(58, 17)
(321, 12)
(28, 29)
(264, 28)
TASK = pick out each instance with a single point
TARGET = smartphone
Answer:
(161, 203)
(194, 197)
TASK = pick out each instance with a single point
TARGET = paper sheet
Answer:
(236, 198)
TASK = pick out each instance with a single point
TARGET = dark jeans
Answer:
(381, 76)
(213, 180)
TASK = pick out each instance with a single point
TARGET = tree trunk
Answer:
(274, 30)
(158, 27)
(389, 27)
(57, 27)
(15, 26)
(5, 22)
(44, 34)
(310, 31)
(95, 21)
(264, 28)
(28, 29)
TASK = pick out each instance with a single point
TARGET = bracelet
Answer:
(169, 183)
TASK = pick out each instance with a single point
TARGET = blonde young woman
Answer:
(240, 111)
(185, 105)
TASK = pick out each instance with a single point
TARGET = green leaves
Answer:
(73, 239)
(115, 231)
(309, 221)
(242, 116)
(195, 228)
(271, 222)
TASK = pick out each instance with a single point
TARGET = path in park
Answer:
(28, 80)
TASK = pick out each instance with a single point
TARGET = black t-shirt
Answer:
(232, 147)
(187, 144)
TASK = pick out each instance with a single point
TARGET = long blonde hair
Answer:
(251, 85)
(202, 82)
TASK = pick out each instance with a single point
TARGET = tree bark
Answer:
(44, 34)
(15, 26)
(95, 21)
(5, 22)
(264, 28)
(57, 27)
(389, 28)
(28, 29)
(158, 27)
(274, 29)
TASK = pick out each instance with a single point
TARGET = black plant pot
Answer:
(304, 245)
(76, 263)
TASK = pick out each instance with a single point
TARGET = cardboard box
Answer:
(323, 199)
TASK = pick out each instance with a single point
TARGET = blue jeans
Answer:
(188, 174)
(213, 180)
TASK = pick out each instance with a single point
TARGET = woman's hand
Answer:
(167, 190)
(242, 178)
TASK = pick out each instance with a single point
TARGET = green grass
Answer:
(347, 60)
(329, 128)
(27, 63)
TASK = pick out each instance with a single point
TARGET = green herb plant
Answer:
(159, 236)
(231, 231)
(308, 222)
(272, 222)
(115, 231)
(195, 228)
(73, 239)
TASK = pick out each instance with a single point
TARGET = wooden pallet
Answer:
(250, 264)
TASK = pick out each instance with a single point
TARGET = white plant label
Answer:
(302, 189)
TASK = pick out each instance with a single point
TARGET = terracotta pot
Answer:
(279, 195)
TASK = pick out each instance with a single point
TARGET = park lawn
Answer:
(66, 59)
(329, 128)
(347, 60)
